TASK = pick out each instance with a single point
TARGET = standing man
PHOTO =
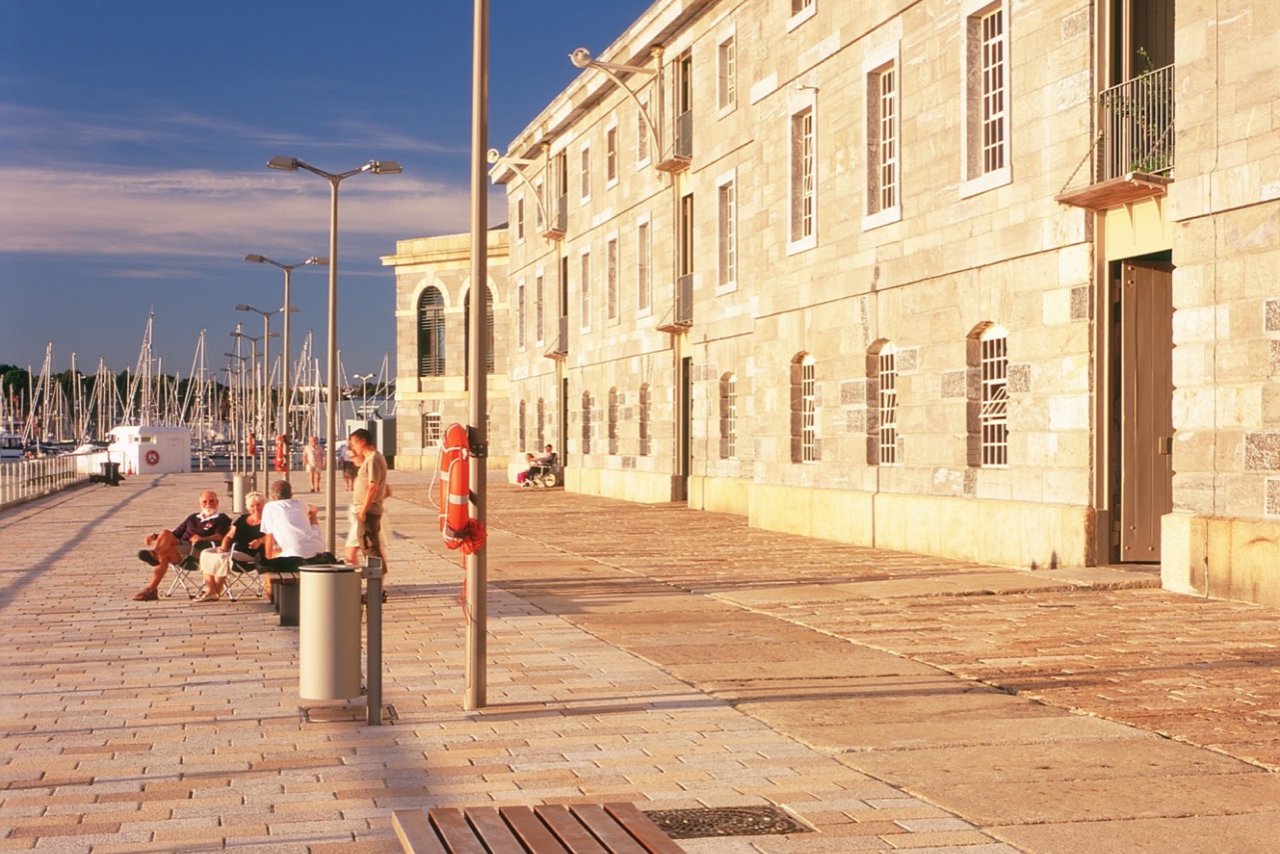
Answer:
(370, 489)
(313, 461)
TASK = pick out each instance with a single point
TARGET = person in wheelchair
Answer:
(166, 548)
(242, 543)
(542, 469)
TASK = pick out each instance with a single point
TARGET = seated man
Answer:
(290, 533)
(199, 530)
(242, 543)
(546, 458)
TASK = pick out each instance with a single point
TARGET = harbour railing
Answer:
(24, 480)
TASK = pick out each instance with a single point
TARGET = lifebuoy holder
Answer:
(152, 457)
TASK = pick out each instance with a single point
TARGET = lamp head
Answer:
(243, 307)
(581, 57)
(493, 156)
(255, 259)
(317, 261)
(288, 164)
(383, 167)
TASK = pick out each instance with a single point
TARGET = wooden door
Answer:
(1146, 424)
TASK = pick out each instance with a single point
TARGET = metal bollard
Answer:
(237, 493)
(373, 643)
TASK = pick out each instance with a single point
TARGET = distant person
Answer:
(282, 454)
(342, 454)
(369, 491)
(522, 477)
(313, 461)
(243, 543)
(165, 548)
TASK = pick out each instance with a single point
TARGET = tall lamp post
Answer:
(377, 167)
(364, 394)
(314, 261)
(266, 385)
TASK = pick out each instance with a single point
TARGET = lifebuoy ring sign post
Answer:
(152, 456)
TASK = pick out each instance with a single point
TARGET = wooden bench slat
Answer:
(532, 833)
(615, 838)
(452, 826)
(643, 829)
(415, 832)
(493, 831)
(569, 830)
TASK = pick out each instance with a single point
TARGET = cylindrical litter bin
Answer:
(329, 632)
(237, 494)
(111, 472)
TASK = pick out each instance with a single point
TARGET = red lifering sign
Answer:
(152, 457)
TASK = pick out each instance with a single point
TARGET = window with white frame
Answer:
(804, 409)
(727, 233)
(728, 417)
(887, 383)
(803, 186)
(994, 415)
(642, 134)
(727, 74)
(586, 290)
(883, 125)
(644, 267)
(611, 156)
(585, 189)
(520, 318)
(611, 279)
(801, 11)
(986, 131)
(431, 429)
(539, 308)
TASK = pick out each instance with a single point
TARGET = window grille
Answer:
(644, 267)
(987, 93)
(882, 140)
(728, 271)
(520, 317)
(994, 417)
(539, 309)
(888, 384)
(804, 410)
(728, 417)
(431, 430)
(586, 422)
(644, 420)
(586, 290)
(611, 279)
(727, 91)
(542, 423)
(431, 333)
(802, 174)
(466, 337)
(523, 437)
(613, 421)
(611, 154)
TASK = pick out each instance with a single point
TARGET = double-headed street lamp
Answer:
(313, 261)
(377, 167)
(364, 394)
(266, 382)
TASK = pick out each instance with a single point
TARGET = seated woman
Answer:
(243, 542)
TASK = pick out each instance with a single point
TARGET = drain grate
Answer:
(725, 821)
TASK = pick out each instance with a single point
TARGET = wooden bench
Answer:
(552, 829)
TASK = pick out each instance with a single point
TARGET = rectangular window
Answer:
(520, 318)
(995, 401)
(586, 174)
(798, 6)
(888, 377)
(611, 155)
(727, 237)
(644, 268)
(808, 412)
(727, 74)
(520, 218)
(728, 417)
(539, 310)
(586, 290)
(642, 134)
(611, 279)
(801, 11)
(802, 178)
(430, 429)
(986, 133)
(882, 145)
(538, 189)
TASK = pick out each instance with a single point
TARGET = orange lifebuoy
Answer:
(457, 527)
(152, 457)
(280, 453)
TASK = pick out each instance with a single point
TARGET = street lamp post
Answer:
(287, 308)
(364, 394)
(252, 392)
(377, 167)
(266, 385)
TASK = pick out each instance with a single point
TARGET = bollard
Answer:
(373, 644)
(237, 493)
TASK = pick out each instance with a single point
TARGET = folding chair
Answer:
(243, 579)
(186, 574)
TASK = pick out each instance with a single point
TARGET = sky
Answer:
(134, 136)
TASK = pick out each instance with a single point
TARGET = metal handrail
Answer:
(1137, 126)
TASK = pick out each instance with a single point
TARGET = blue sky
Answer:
(134, 136)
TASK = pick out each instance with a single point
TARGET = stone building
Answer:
(919, 275)
(433, 283)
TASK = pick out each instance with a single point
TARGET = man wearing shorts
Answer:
(369, 491)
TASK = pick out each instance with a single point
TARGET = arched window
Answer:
(728, 416)
(431, 333)
(542, 423)
(466, 338)
(586, 422)
(613, 420)
(644, 421)
(987, 356)
(522, 443)
(804, 410)
(882, 364)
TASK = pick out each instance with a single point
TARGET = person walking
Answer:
(370, 489)
(313, 461)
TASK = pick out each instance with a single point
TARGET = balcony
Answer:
(559, 223)
(1133, 154)
(560, 349)
(683, 314)
(682, 150)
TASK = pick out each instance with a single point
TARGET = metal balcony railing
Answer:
(684, 134)
(1137, 127)
(562, 340)
(684, 300)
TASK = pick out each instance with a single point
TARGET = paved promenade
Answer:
(649, 654)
